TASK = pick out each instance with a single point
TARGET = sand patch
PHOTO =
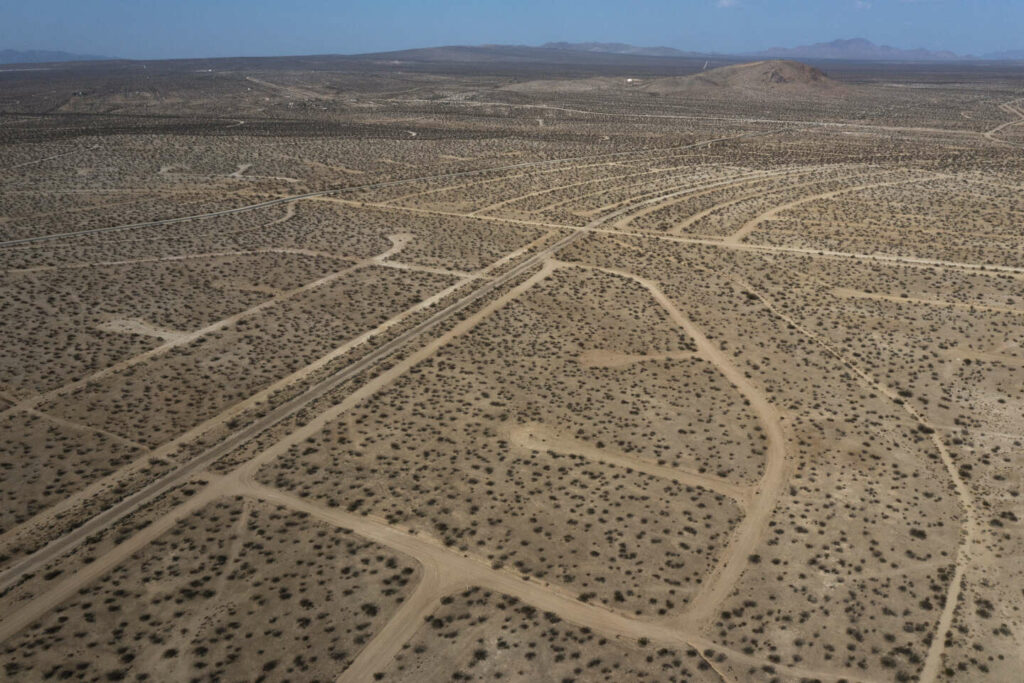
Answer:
(139, 326)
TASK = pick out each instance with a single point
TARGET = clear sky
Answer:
(218, 28)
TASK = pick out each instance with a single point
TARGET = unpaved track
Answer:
(983, 268)
(133, 502)
(933, 661)
(289, 213)
(576, 197)
(599, 358)
(436, 583)
(416, 268)
(1010, 108)
(539, 437)
(666, 192)
(182, 257)
(723, 579)
(445, 570)
(243, 474)
(167, 450)
(79, 427)
(845, 293)
(579, 183)
(182, 340)
(708, 189)
(755, 222)
(323, 193)
(59, 591)
(699, 185)
(648, 154)
(315, 425)
(680, 227)
(458, 570)
(398, 242)
(49, 516)
(180, 668)
(39, 161)
(857, 256)
(289, 90)
(626, 207)
(544, 257)
(914, 261)
(724, 119)
(461, 570)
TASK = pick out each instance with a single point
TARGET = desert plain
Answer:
(449, 365)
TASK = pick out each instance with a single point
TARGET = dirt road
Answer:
(679, 228)
(971, 528)
(846, 293)
(740, 246)
(731, 565)
(539, 437)
(457, 571)
(756, 222)
(133, 502)
(1010, 108)
(39, 161)
(398, 242)
(324, 193)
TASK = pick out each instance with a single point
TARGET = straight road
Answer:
(179, 475)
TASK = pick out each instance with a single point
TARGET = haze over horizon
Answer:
(192, 28)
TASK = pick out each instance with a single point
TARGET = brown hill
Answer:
(755, 78)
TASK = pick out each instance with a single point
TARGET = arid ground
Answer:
(425, 368)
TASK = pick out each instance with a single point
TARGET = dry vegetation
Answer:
(321, 368)
(475, 635)
(238, 590)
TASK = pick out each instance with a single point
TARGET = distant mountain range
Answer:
(851, 49)
(1008, 55)
(621, 49)
(858, 49)
(40, 56)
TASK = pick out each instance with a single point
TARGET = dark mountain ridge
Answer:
(44, 56)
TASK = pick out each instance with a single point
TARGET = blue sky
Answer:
(218, 28)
